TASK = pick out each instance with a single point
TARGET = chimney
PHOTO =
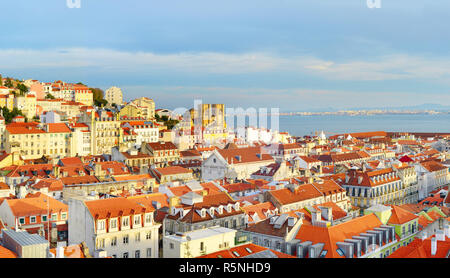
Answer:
(327, 213)
(272, 219)
(433, 246)
(60, 249)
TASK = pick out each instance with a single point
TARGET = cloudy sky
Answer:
(292, 54)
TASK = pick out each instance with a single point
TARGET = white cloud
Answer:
(393, 67)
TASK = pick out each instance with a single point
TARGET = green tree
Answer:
(9, 115)
(22, 89)
(49, 96)
(98, 96)
(8, 83)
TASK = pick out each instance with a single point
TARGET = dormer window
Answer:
(203, 212)
(211, 211)
(236, 206)
(220, 209)
(100, 225)
(148, 218)
(229, 207)
(137, 220)
(125, 221)
(113, 223)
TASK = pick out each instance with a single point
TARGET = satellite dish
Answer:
(188, 238)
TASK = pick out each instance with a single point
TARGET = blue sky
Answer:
(291, 54)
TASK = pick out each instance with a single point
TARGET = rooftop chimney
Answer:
(433, 246)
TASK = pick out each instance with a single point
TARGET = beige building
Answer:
(198, 243)
(114, 95)
(105, 130)
(147, 106)
(27, 104)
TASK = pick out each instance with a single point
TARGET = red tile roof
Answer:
(400, 216)
(419, 248)
(242, 251)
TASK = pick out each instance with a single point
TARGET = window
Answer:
(101, 243)
(64, 216)
(149, 252)
(32, 219)
(202, 246)
(171, 246)
(101, 225)
(114, 241)
(148, 235)
(44, 218)
(22, 220)
(148, 218)
(137, 254)
(125, 222)
(125, 255)
(54, 217)
(137, 237)
(125, 239)
(137, 220)
(113, 223)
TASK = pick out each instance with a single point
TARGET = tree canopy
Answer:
(9, 115)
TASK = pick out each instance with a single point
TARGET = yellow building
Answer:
(147, 106)
(131, 111)
(105, 130)
(7, 100)
(83, 95)
(32, 141)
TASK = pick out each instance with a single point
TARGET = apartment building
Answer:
(105, 130)
(193, 211)
(234, 163)
(123, 227)
(114, 95)
(431, 175)
(33, 140)
(296, 197)
(366, 188)
(39, 214)
(162, 152)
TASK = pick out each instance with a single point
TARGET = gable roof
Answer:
(400, 216)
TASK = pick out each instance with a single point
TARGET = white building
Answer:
(431, 175)
(198, 243)
(234, 163)
(114, 95)
(123, 227)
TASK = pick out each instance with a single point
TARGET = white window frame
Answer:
(22, 218)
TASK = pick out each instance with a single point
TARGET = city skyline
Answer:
(301, 55)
